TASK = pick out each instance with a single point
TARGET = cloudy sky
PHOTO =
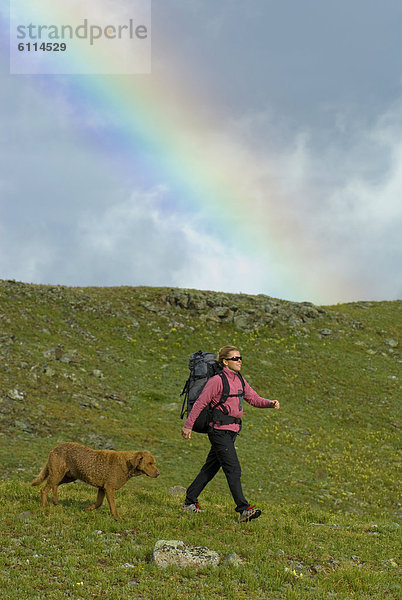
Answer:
(263, 154)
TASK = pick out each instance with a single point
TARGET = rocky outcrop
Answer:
(246, 312)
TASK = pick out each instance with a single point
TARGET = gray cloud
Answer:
(316, 121)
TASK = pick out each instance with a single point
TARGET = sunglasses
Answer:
(235, 358)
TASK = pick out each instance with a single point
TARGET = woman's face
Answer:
(233, 365)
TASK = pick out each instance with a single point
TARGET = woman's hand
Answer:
(275, 404)
(186, 433)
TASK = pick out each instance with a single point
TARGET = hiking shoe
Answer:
(250, 513)
(192, 507)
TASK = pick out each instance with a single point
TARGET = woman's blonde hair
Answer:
(224, 352)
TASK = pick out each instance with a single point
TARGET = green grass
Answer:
(292, 551)
(324, 469)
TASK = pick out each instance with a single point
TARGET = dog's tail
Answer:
(42, 476)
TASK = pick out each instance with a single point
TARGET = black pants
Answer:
(222, 454)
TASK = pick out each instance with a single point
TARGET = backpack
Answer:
(202, 367)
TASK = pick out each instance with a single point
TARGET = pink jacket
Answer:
(212, 392)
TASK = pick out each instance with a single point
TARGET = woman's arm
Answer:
(254, 399)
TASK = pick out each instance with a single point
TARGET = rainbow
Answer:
(176, 140)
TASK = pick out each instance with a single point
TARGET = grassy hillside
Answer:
(105, 367)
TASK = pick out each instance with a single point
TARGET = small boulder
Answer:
(15, 395)
(177, 490)
(392, 343)
(234, 560)
(179, 554)
(25, 516)
(48, 371)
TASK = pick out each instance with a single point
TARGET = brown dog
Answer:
(108, 470)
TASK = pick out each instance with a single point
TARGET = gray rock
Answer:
(308, 311)
(151, 307)
(294, 321)
(178, 298)
(15, 395)
(177, 490)
(197, 302)
(98, 441)
(392, 343)
(177, 553)
(48, 371)
(220, 313)
(234, 560)
(243, 322)
(71, 356)
(23, 425)
(25, 516)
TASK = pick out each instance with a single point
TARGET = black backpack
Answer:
(202, 366)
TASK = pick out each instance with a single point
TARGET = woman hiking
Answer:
(223, 432)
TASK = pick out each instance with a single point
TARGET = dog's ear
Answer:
(135, 462)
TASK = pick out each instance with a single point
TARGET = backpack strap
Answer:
(185, 392)
(222, 416)
(240, 376)
(226, 390)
